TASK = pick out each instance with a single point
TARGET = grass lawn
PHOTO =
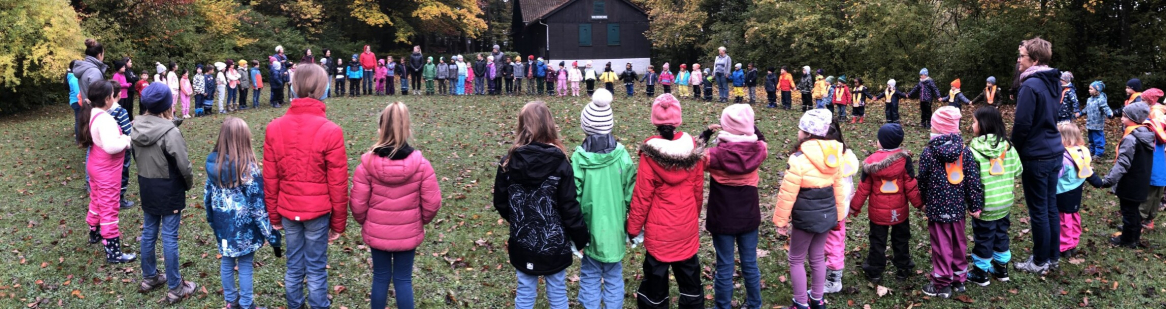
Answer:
(463, 261)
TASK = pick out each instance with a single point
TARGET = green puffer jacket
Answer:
(430, 71)
(998, 189)
(604, 183)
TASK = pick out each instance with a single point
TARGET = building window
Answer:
(613, 34)
(598, 10)
(584, 35)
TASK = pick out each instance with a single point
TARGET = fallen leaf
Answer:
(781, 278)
(77, 293)
(882, 291)
(339, 289)
(1076, 261)
(964, 298)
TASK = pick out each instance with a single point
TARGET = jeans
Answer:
(255, 98)
(752, 94)
(1096, 142)
(397, 267)
(244, 295)
(1040, 193)
(631, 88)
(169, 228)
(528, 290)
(479, 84)
(307, 256)
(746, 244)
(594, 273)
(840, 110)
(722, 86)
(76, 122)
(232, 95)
(461, 85)
(242, 97)
(786, 98)
(367, 82)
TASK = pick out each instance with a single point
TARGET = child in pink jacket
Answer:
(394, 194)
(562, 77)
(380, 75)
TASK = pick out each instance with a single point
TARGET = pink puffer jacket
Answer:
(393, 199)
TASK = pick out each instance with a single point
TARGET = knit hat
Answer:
(157, 98)
(562, 63)
(1135, 84)
(276, 65)
(118, 64)
(354, 56)
(666, 111)
(1136, 112)
(244, 62)
(923, 72)
(1067, 76)
(890, 136)
(665, 67)
(816, 121)
(1097, 85)
(842, 79)
(161, 68)
(992, 80)
(738, 65)
(497, 47)
(955, 83)
(891, 83)
(575, 64)
(588, 62)
(806, 69)
(198, 66)
(540, 59)
(597, 117)
(683, 66)
(381, 61)
(946, 120)
(1152, 95)
(530, 57)
(737, 119)
(830, 79)
(219, 66)
(488, 58)
(820, 72)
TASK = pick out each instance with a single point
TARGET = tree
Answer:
(39, 39)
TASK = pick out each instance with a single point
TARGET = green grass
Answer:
(463, 261)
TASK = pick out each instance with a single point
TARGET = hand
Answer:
(783, 230)
(639, 239)
(976, 214)
(714, 127)
(333, 236)
(578, 252)
(277, 226)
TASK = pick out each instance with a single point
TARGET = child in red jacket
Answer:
(665, 209)
(888, 180)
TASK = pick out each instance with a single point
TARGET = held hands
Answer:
(277, 226)
(333, 236)
(783, 230)
(976, 214)
(639, 239)
(714, 127)
(577, 252)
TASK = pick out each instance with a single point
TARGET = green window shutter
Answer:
(613, 34)
(584, 35)
(598, 9)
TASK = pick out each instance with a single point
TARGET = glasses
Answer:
(1021, 55)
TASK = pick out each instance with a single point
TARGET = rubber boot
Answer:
(94, 234)
(113, 252)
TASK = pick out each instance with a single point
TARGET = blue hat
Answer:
(354, 56)
(1097, 84)
(992, 80)
(157, 98)
(923, 72)
(890, 136)
(1135, 84)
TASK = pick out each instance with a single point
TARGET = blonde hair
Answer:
(235, 157)
(1070, 134)
(536, 124)
(310, 81)
(396, 128)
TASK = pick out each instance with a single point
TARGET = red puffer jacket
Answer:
(668, 196)
(888, 178)
(305, 168)
(393, 197)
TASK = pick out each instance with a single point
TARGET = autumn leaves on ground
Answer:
(463, 261)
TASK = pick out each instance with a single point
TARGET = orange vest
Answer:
(1132, 97)
(996, 165)
(990, 94)
(955, 170)
(1117, 152)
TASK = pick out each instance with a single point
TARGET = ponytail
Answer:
(99, 91)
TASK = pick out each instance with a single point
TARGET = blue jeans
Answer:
(76, 122)
(1096, 142)
(232, 96)
(1040, 193)
(840, 110)
(367, 89)
(395, 266)
(722, 86)
(244, 295)
(307, 256)
(746, 245)
(480, 83)
(594, 273)
(631, 88)
(528, 290)
(255, 97)
(461, 85)
(169, 228)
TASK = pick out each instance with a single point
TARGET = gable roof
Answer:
(533, 10)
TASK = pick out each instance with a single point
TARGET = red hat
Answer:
(666, 111)
(1152, 95)
(955, 83)
(531, 57)
(683, 66)
(574, 63)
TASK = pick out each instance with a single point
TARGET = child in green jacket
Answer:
(999, 168)
(429, 72)
(604, 178)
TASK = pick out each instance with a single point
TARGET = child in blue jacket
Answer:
(738, 84)
(355, 74)
(1096, 111)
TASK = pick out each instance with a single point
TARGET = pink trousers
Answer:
(836, 248)
(575, 88)
(185, 103)
(1070, 230)
(104, 190)
(562, 87)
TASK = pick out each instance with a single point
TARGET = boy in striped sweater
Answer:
(999, 168)
(124, 123)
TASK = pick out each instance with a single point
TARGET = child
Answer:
(629, 79)
(144, 81)
(695, 78)
(561, 79)
(552, 76)
(393, 219)
(235, 210)
(682, 77)
(379, 74)
(785, 84)
(860, 95)
(708, 85)
(531, 71)
(429, 73)
(211, 89)
(888, 180)
(341, 76)
(519, 74)
(391, 71)
(575, 76)
(1156, 122)
(1129, 177)
(665, 209)
(443, 76)
(805, 88)
(734, 212)
(402, 73)
(771, 88)
(470, 75)
(185, 92)
(164, 175)
(650, 79)
(220, 86)
(990, 94)
(836, 237)
(608, 78)
(245, 83)
(589, 77)
(821, 87)
(534, 181)
(949, 182)
(892, 97)
(604, 177)
(107, 147)
(738, 84)
(507, 75)
(926, 91)
(955, 98)
(1133, 91)
(813, 170)
(840, 96)
(122, 116)
(666, 78)
(232, 74)
(1096, 107)
(1077, 167)
(497, 75)
(1068, 109)
(355, 73)
(198, 84)
(1000, 167)
(751, 83)
(256, 83)
(119, 78)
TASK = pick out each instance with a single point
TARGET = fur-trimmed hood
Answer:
(682, 152)
(888, 163)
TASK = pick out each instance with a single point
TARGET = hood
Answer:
(531, 164)
(212, 169)
(87, 64)
(987, 146)
(737, 158)
(384, 152)
(599, 143)
(682, 152)
(948, 147)
(593, 160)
(1144, 135)
(149, 129)
(392, 171)
(1050, 78)
(815, 151)
(886, 163)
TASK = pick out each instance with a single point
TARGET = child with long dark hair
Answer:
(107, 147)
(999, 166)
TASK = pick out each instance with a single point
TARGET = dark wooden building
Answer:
(570, 30)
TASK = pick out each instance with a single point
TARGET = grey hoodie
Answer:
(164, 171)
(87, 71)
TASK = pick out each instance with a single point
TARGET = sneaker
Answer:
(958, 287)
(979, 276)
(1116, 241)
(903, 275)
(833, 281)
(1000, 271)
(1029, 266)
(796, 305)
(149, 284)
(180, 293)
(931, 290)
(817, 303)
(1054, 265)
(876, 279)
(1148, 225)
(126, 204)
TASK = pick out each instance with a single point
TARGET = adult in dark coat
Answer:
(416, 63)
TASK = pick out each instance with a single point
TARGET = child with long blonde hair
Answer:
(534, 191)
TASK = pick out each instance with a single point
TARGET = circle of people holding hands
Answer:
(593, 204)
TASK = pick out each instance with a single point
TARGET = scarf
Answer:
(726, 137)
(1033, 69)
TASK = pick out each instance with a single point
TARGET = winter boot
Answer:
(833, 281)
(932, 290)
(149, 284)
(113, 252)
(796, 305)
(94, 234)
(817, 303)
(979, 276)
(903, 275)
(1000, 271)
(178, 294)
